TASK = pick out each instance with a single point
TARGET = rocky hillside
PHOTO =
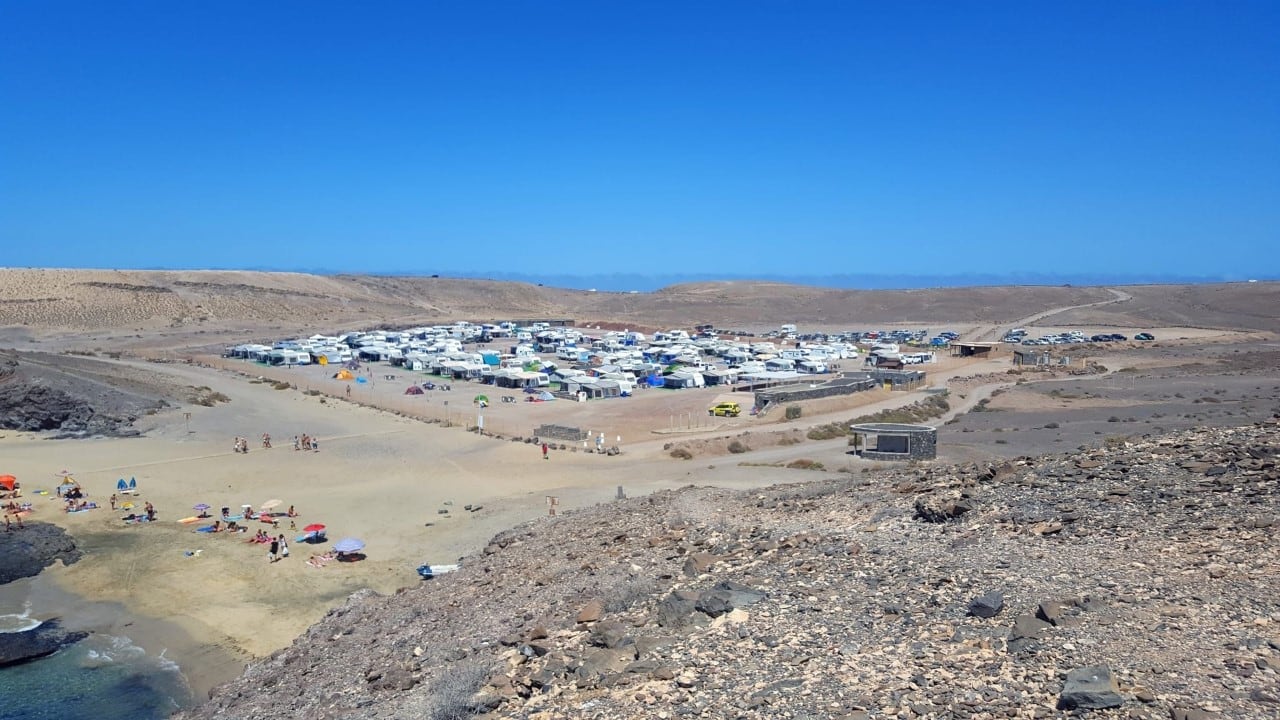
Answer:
(1138, 581)
(72, 396)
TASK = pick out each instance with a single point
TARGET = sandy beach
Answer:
(385, 479)
(398, 472)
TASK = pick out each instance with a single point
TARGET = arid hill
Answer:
(182, 308)
(1136, 581)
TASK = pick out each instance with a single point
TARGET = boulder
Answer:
(940, 510)
(674, 611)
(726, 596)
(591, 612)
(609, 634)
(1090, 688)
(45, 639)
(25, 552)
(699, 563)
(988, 605)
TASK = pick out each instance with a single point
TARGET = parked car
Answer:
(1144, 336)
(725, 409)
(1100, 338)
(1118, 337)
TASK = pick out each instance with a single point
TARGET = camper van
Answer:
(811, 367)
(788, 329)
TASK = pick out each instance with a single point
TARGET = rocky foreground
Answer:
(1133, 582)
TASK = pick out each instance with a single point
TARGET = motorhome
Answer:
(811, 367)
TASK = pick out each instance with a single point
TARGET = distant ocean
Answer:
(103, 677)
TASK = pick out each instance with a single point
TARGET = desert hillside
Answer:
(1136, 581)
(179, 308)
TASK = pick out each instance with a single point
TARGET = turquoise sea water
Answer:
(103, 677)
(106, 676)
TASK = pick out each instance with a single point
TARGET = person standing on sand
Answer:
(113, 501)
(271, 551)
(284, 547)
(544, 451)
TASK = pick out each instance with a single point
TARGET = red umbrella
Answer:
(7, 481)
(313, 527)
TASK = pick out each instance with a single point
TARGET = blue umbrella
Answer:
(348, 545)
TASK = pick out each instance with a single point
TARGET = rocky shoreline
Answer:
(40, 641)
(1135, 581)
(25, 552)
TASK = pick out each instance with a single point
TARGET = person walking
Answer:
(284, 547)
(271, 551)
(544, 451)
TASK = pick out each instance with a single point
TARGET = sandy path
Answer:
(995, 332)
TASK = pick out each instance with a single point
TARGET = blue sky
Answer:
(733, 139)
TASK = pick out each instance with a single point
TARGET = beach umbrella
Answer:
(347, 545)
(313, 527)
(7, 481)
(201, 507)
(270, 504)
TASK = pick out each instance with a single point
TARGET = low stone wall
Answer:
(560, 432)
(797, 393)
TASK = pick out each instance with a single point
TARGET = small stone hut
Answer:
(896, 441)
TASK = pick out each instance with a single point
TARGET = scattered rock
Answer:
(1090, 688)
(591, 612)
(988, 605)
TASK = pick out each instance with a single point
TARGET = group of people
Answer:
(75, 499)
(15, 510)
(147, 515)
(303, 442)
(277, 545)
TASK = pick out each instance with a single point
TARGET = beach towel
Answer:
(205, 529)
(189, 520)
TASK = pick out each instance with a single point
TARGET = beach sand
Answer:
(377, 476)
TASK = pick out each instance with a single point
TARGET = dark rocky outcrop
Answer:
(45, 639)
(25, 552)
(72, 397)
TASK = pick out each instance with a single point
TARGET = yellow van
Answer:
(725, 409)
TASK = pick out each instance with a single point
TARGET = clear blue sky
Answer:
(733, 138)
